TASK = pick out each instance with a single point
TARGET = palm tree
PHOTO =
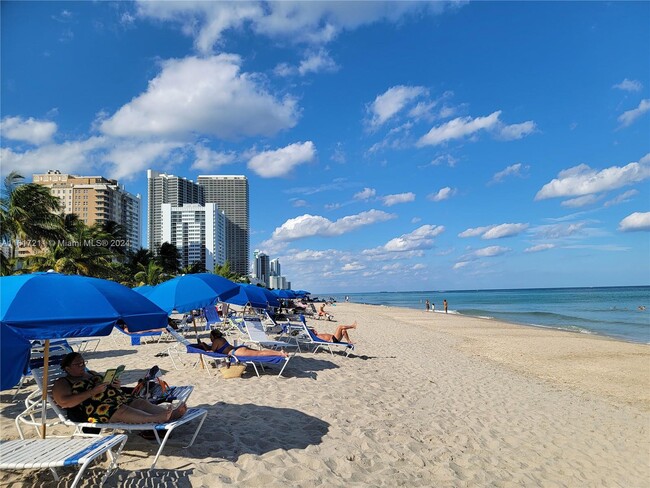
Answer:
(28, 215)
(227, 273)
(168, 258)
(151, 274)
(195, 267)
(82, 252)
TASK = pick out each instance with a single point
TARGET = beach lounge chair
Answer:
(306, 336)
(212, 318)
(190, 348)
(58, 452)
(138, 338)
(33, 404)
(257, 335)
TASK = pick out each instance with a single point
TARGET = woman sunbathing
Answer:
(341, 332)
(221, 346)
(87, 399)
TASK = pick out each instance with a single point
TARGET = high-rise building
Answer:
(96, 200)
(164, 188)
(274, 267)
(262, 268)
(230, 193)
(197, 231)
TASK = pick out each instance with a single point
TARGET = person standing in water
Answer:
(427, 305)
(444, 304)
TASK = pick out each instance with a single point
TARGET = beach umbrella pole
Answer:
(46, 364)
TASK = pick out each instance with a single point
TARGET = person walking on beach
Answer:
(444, 304)
(427, 305)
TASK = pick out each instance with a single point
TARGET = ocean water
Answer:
(616, 312)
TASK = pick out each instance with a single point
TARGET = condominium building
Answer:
(96, 200)
(230, 193)
(274, 267)
(197, 231)
(261, 268)
(162, 189)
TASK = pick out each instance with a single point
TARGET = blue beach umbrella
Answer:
(286, 294)
(44, 306)
(271, 297)
(190, 292)
(249, 295)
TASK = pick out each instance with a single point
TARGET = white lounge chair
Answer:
(256, 335)
(57, 452)
(33, 403)
(306, 336)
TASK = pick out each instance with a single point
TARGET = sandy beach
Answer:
(426, 399)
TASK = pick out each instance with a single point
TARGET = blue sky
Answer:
(388, 146)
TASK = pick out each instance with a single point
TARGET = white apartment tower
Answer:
(174, 190)
(261, 267)
(96, 200)
(197, 231)
(230, 193)
(274, 265)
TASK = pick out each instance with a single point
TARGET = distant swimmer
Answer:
(641, 308)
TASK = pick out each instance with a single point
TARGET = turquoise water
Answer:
(612, 311)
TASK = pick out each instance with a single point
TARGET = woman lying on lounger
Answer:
(87, 399)
(341, 332)
(221, 346)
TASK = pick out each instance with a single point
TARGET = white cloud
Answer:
(637, 221)
(271, 164)
(68, 157)
(365, 194)
(132, 157)
(390, 200)
(504, 230)
(203, 96)
(495, 231)
(517, 131)
(629, 85)
(208, 160)
(444, 158)
(299, 203)
(627, 118)
(475, 232)
(557, 231)
(31, 130)
(443, 194)
(580, 201)
(582, 180)
(353, 267)
(491, 251)
(315, 225)
(317, 62)
(539, 248)
(314, 62)
(460, 264)
(623, 197)
(391, 102)
(306, 22)
(420, 238)
(458, 128)
(512, 170)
